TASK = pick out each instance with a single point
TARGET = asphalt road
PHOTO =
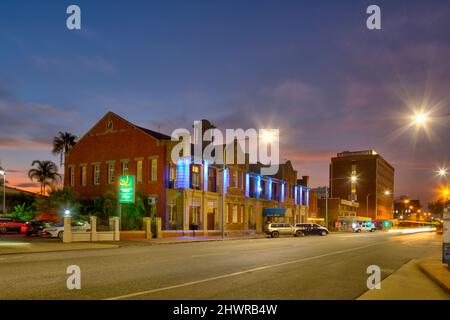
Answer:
(314, 267)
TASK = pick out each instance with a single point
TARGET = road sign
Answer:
(126, 189)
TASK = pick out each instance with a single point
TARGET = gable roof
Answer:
(154, 134)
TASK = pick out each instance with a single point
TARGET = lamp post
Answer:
(352, 178)
(3, 174)
(386, 193)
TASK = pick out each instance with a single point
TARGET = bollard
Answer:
(148, 227)
(67, 235)
(93, 221)
(158, 230)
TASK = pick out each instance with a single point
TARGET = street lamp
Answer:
(385, 193)
(442, 172)
(3, 174)
(352, 178)
(420, 119)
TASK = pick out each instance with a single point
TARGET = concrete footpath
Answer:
(408, 283)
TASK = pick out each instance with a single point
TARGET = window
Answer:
(111, 172)
(83, 176)
(154, 170)
(109, 125)
(242, 214)
(235, 179)
(172, 214)
(139, 171)
(195, 176)
(125, 168)
(235, 213)
(72, 176)
(96, 174)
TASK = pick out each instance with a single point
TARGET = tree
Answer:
(62, 143)
(58, 200)
(436, 207)
(45, 172)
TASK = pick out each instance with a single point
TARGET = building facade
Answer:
(337, 208)
(365, 177)
(186, 195)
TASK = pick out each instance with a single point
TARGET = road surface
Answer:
(314, 267)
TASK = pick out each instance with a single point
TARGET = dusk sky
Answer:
(310, 68)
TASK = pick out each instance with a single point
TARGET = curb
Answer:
(432, 275)
(200, 240)
(55, 251)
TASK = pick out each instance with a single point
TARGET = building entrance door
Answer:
(210, 220)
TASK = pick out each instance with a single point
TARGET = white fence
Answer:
(93, 234)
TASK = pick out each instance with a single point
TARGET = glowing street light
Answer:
(67, 213)
(442, 172)
(420, 119)
(445, 193)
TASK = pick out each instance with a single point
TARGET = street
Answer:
(314, 267)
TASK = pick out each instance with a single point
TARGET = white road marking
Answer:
(228, 275)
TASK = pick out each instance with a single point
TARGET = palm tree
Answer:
(62, 143)
(46, 173)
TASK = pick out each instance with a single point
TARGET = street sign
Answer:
(126, 189)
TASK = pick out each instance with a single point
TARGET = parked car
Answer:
(312, 229)
(10, 225)
(277, 229)
(364, 226)
(35, 227)
(57, 230)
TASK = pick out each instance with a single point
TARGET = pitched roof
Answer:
(154, 134)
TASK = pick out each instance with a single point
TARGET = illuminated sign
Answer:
(126, 189)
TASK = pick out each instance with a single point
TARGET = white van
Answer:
(363, 226)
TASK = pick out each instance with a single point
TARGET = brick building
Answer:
(372, 186)
(115, 147)
(186, 195)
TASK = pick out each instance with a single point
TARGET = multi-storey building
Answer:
(365, 177)
(187, 195)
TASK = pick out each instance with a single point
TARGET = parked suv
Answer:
(277, 229)
(10, 224)
(312, 228)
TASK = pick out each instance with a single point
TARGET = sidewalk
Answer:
(407, 283)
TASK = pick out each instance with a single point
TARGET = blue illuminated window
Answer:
(269, 189)
(300, 192)
(282, 192)
(258, 186)
(183, 174)
(205, 176)
(226, 180)
(247, 185)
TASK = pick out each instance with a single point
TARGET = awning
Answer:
(274, 212)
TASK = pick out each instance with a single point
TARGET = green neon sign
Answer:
(126, 189)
